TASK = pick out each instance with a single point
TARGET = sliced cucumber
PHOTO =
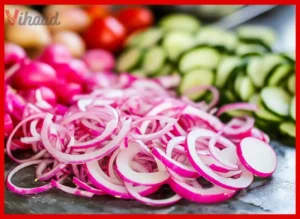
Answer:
(293, 108)
(246, 88)
(290, 56)
(202, 57)
(244, 49)
(238, 113)
(176, 42)
(150, 38)
(280, 75)
(225, 69)
(154, 60)
(228, 96)
(181, 22)
(138, 72)
(134, 39)
(288, 128)
(237, 82)
(277, 100)
(258, 69)
(291, 84)
(212, 36)
(145, 39)
(196, 78)
(262, 113)
(257, 34)
(129, 59)
(166, 70)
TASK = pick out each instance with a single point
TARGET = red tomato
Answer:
(98, 11)
(105, 33)
(135, 18)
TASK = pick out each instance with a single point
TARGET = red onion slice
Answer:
(257, 156)
(242, 182)
(127, 174)
(160, 203)
(25, 191)
(200, 195)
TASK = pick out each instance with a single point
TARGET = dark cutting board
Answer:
(272, 195)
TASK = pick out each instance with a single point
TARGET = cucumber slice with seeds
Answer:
(291, 84)
(244, 50)
(129, 59)
(196, 78)
(181, 22)
(257, 34)
(215, 37)
(225, 70)
(145, 39)
(202, 57)
(288, 128)
(258, 69)
(177, 42)
(262, 113)
(277, 100)
(293, 108)
(154, 60)
(246, 88)
(280, 75)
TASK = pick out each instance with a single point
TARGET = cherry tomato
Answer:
(135, 18)
(105, 33)
(98, 11)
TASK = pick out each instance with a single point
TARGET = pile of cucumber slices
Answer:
(240, 63)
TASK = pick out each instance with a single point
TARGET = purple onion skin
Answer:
(98, 60)
(55, 54)
(13, 54)
(34, 74)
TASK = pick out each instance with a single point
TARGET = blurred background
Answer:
(77, 19)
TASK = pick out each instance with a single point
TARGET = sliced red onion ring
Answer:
(160, 203)
(200, 195)
(25, 191)
(70, 190)
(242, 182)
(87, 187)
(97, 178)
(81, 158)
(237, 106)
(129, 175)
(257, 156)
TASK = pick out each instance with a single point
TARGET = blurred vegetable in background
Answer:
(105, 33)
(71, 40)
(134, 19)
(28, 36)
(98, 11)
(71, 17)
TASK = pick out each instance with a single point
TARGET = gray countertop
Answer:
(272, 195)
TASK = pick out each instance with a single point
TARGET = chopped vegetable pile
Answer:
(240, 63)
(125, 136)
(129, 134)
